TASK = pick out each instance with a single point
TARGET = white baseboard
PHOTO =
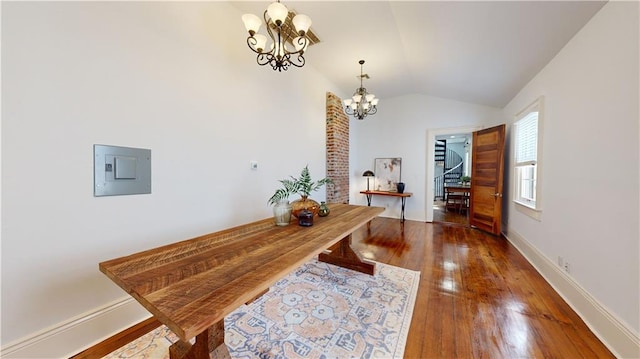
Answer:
(76, 334)
(615, 335)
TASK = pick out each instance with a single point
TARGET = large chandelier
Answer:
(287, 46)
(362, 103)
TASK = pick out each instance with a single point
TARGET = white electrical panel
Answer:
(121, 170)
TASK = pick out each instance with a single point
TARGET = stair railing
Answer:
(453, 171)
(439, 181)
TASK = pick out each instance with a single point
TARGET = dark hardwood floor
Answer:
(451, 216)
(478, 297)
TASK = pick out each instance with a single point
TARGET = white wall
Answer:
(176, 78)
(399, 129)
(172, 77)
(590, 162)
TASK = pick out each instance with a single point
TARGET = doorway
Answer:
(435, 200)
(452, 158)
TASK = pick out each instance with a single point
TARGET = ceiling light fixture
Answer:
(362, 103)
(287, 46)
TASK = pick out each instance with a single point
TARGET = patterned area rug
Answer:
(319, 311)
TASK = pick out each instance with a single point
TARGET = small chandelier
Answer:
(362, 103)
(287, 46)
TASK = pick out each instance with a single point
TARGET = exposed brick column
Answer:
(337, 150)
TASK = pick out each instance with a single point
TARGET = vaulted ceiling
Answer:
(479, 52)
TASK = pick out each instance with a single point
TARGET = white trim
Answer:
(614, 334)
(70, 337)
(535, 212)
(430, 151)
(528, 210)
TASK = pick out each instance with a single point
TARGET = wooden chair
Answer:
(455, 201)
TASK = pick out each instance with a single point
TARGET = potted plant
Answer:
(303, 186)
(465, 179)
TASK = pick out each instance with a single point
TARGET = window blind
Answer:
(527, 139)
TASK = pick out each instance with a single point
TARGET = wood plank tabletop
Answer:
(385, 193)
(192, 284)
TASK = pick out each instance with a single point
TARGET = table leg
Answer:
(344, 256)
(209, 341)
(402, 211)
(369, 199)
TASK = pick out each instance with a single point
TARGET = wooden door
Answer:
(485, 208)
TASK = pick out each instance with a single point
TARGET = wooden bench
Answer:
(190, 286)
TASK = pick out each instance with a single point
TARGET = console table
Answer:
(190, 286)
(403, 196)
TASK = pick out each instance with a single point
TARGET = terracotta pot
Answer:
(304, 203)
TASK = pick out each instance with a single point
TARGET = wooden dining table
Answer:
(457, 187)
(191, 285)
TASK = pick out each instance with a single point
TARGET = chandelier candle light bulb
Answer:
(279, 55)
(261, 41)
(252, 23)
(277, 12)
(302, 23)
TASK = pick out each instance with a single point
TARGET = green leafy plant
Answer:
(288, 188)
(465, 179)
(302, 185)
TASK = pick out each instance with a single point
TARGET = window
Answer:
(527, 140)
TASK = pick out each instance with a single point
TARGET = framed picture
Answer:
(387, 171)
